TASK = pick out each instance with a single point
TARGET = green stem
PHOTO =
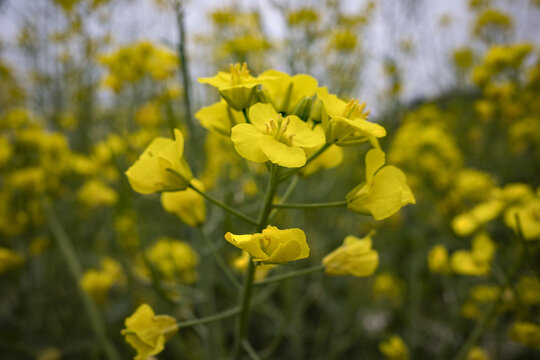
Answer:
(287, 174)
(250, 351)
(208, 319)
(184, 66)
(491, 310)
(311, 206)
(290, 275)
(223, 206)
(219, 260)
(244, 111)
(250, 272)
(74, 267)
(284, 198)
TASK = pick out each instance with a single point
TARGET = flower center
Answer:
(354, 110)
(277, 128)
(238, 73)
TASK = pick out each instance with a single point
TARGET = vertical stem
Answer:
(184, 66)
(74, 267)
(250, 272)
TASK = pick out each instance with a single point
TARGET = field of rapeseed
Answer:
(228, 192)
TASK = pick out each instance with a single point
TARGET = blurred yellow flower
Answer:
(477, 353)
(529, 218)
(355, 257)
(272, 246)
(187, 204)
(149, 114)
(219, 117)
(528, 289)
(476, 262)
(526, 333)
(9, 259)
(384, 192)
(174, 259)
(94, 193)
(237, 87)
(348, 123)
(394, 348)
(147, 332)
(270, 137)
(161, 167)
(438, 260)
(332, 157)
(97, 282)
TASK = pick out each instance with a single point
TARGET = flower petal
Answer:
(304, 135)
(260, 114)
(246, 142)
(281, 154)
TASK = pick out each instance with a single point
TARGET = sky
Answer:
(427, 70)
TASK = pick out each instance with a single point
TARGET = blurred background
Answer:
(86, 85)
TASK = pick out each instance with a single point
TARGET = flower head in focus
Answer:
(147, 332)
(346, 123)
(272, 246)
(161, 167)
(355, 257)
(385, 190)
(237, 87)
(270, 137)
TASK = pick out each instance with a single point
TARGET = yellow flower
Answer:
(385, 190)
(272, 246)
(94, 193)
(187, 204)
(98, 282)
(477, 261)
(161, 167)
(331, 158)
(9, 259)
(528, 289)
(467, 223)
(219, 117)
(284, 92)
(147, 332)
(348, 123)
(394, 348)
(526, 333)
(355, 257)
(529, 218)
(272, 137)
(438, 259)
(477, 353)
(174, 259)
(236, 87)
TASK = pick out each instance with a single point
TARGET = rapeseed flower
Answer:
(394, 348)
(187, 204)
(270, 137)
(161, 167)
(219, 117)
(347, 123)
(272, 246)
(355, 257)
(147, 332)
(384, 192)
(237, 87)
(285, 92)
